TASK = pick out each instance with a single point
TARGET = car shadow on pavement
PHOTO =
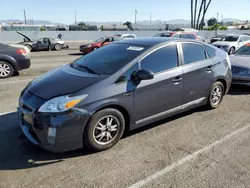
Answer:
(239, 90)
(16, 152)
(76, 54)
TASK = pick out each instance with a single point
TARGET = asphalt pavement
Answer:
(196, 149)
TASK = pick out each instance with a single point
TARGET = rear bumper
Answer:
(22, 64)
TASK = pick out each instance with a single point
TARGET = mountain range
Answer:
(143, 22)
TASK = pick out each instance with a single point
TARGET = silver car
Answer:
(240, 61)
(231, 43)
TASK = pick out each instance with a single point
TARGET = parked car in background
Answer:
(100, 42)
(218, 38)
(45, 43)
(241, 65)
(179, 34)
(122, 86)
(231, 43)
(12, 60)
(127, 36)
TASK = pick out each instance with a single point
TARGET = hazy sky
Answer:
(116, 10)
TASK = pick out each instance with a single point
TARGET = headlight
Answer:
(61, 104)
(225, 46)
(243, 71)
(248, 72)
(88, 46)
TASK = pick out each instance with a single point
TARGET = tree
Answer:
(205, 10)
(195, 9)
(82, 24)
(129, 25)
(192, 14)
(199, 14)
(211, 21)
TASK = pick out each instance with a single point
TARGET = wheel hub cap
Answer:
(4, 70)
(106, 130)
(216, 95)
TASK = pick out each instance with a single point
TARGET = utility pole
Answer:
(150, 18)
(221, 19)
(136, 15)
(24, 13)
(217, 24)
(75, 17)
(217, 16)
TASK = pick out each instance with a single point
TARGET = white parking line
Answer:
(5, 113)
(188, 158)
(16, 81)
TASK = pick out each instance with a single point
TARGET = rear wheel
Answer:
(104, 130)
(216, 95)
(6, 69)
(58, 47)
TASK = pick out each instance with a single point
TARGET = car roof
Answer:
(152, 41)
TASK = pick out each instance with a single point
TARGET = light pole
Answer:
(75, 17)
(24, 13)
(136, 15)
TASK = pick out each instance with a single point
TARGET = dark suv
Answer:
(124, 85)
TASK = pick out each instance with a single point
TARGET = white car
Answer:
(127, 36)
(231, 43)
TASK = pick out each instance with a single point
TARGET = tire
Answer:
(95, 135)
(6, 69)
(95, 48)
(231, 50)
(58, 47)
(217, 88)
(30, 47)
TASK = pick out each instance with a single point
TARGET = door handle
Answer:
(209, 68)
(177, 80)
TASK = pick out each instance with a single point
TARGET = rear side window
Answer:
(177, 36)
(185, 36)
(211, 52)
(191, 36)
(162, 59)
(193, 53)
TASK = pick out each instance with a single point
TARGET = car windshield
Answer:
(230, 38)
(100, 39)
(108, 59)
(244, 50)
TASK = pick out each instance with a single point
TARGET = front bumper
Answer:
(241, 80)
(69, 127)
(85, 50)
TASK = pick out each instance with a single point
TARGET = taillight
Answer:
(21, 51)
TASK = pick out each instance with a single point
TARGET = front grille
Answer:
(237, 70)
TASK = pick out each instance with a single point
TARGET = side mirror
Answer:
(144, 74)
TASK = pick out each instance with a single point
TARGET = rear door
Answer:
(198, 75)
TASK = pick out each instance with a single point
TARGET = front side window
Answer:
(162, 59)
(244, 50)
(191, 36)
(109, 59)
(230, 39)
(193, 53)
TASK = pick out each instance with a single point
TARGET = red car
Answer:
(103, 41)
(177, 34)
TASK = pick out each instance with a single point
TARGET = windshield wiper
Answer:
(89, 69)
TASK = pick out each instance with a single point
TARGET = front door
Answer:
(198, 74)
(43, 44)
(155, 98)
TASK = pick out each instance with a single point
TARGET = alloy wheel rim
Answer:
(216, 95)
(57, 47)
(106, 130)
(4, 70)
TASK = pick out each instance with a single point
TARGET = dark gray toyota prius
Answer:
(124, 85)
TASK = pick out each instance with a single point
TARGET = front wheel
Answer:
(231, 50)
(104, 130)
(58, 47)
(216, 95)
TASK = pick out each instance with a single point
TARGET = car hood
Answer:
(24, 36)
(224, 43)
(61, 81)
(240, 61)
